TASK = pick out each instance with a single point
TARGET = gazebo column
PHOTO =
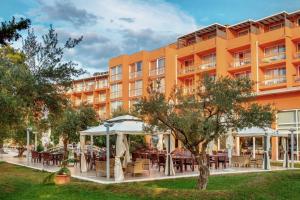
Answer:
(237, 145)
(83, 167)
(107, 154)
(253, 147)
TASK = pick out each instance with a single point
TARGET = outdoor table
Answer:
(183, 161)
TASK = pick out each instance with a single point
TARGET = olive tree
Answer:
(214, 108)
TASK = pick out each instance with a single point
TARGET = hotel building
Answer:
(265, 50)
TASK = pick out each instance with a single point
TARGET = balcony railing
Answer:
(156, 72)
(208, 65)
(187, 69)
(136, 92)
(99, 100)
(273, 58)
(101, 85)
(274, 81)
(188, 90)
(241, 62)
(135, 74)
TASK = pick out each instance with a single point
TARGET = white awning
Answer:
(255, 131)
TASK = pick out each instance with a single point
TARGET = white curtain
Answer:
(210, 146)
(267, 154)
(120, 150)
(160, 145)
(127, 154)
(283, 142)
(82, 160)
(172, 148)
(229, 144)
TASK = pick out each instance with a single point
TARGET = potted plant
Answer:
(62, 176)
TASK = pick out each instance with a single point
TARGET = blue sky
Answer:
(114, 27)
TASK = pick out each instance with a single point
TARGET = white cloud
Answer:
(121, 26)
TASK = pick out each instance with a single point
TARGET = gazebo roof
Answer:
(125, 124)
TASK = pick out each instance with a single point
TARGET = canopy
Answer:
(123, 124)
(255, 131)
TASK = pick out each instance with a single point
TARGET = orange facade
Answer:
(266, 50)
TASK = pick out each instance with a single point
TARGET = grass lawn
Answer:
(22, 183)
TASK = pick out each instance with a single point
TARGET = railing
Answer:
(136, 74)
(208, 65)
(101, 85)
(273, 58)
(136, 92)
(99, 100)
(188, 90)
(241, 62)
(274, 81)
(187, 69)
(115, 77)
(158, 71)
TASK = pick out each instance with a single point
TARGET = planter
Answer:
(62, 179)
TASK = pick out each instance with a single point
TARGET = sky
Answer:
(114, 27)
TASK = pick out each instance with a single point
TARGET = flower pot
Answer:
(61, 179)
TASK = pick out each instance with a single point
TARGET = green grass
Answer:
(22, 183)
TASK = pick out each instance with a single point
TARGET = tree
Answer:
(216, 107)
(9, 31)
(68, 125)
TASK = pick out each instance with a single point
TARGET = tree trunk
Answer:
(203, 171)
(65, 156)
(21, 150)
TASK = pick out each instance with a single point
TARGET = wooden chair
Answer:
(154, 158)
(136, 168)
(47, 158)
(34, 156)
(146, 164)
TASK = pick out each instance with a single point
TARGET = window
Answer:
(157, 67)
(241, 58)
(188, 86)
(158, 85)
(298, 21)
(79, 86)
(116, 90)
(132, 103)
(89, 99)
(89, 85)
(274, 50)
(274, 76)
(136, 70)
(189, 62)
(136, 88)
(102, 83)
(115, 105)
(116, 73)
(102, 97)
(102, 112)
(208, 61)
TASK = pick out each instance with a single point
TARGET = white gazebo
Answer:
(266, 133)
(122, 126)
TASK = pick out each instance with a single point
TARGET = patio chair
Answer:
(161, 161)
(154, 158)
(136, 168)
(146, 164)
(34, 156)
(135, 155)
(47, 158)
(222, 160)
(100, 167)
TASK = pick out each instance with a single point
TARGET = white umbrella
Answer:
(160, 143)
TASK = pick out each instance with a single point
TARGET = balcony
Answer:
(157, 72)
(136, 74)
(136, 92)
(275, 82)
(99, 100)
(89, 88)
(210, 65)
(296, 80)
(273, 58)
(186, 70)
(297, 55)
(188, 90)
(241, 62)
